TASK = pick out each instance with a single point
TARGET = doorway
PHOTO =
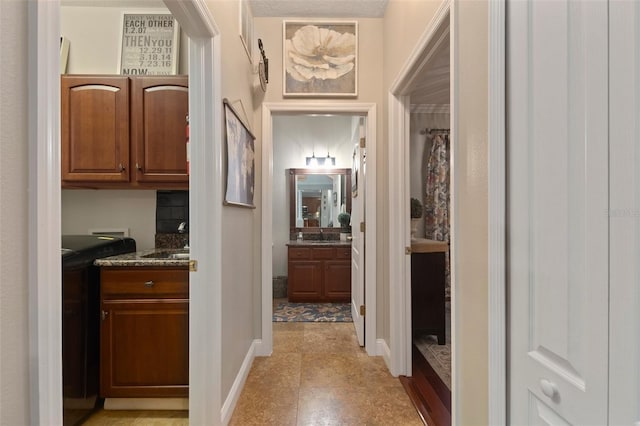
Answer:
(45, 313)
(268, 228)
(421, 108)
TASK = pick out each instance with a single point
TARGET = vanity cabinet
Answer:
(144, 334)
(319, 273)
(124, 132)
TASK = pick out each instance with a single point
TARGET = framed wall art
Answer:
(149, 44)
(246, 28)
(320, 58)
(240, 160)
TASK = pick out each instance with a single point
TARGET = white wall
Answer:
(94, 35)
(84, 209)
(241, 308)
(294, 138)
(471, 213)
(14, 212)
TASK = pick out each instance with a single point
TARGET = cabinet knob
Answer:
(122, 168)
(138, 167)
(149, 283)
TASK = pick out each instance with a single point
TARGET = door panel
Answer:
(357, 243)
(624, 136)
(95, 128)
(557, 196)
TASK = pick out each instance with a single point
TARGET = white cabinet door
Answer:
(624, 213)
(558, 241)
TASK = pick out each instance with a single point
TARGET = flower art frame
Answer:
(241, 165)
(320, 58)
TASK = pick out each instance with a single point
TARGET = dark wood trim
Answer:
(427, 391)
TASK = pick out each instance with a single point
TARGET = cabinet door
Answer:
(337, 281)
(95, 129)
(145, 348)
(159, 108)
(305, 281)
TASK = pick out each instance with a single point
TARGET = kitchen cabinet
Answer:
(319, 273)
(124, 132)
(144, 336)
(95, 129)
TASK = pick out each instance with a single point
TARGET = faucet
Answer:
(182, 229)
(321, 235)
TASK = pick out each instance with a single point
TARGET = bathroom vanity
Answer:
(319, 271)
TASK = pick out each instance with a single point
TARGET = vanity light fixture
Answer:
(327, 161)
(312, 161)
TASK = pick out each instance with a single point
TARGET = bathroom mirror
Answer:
(317, 197)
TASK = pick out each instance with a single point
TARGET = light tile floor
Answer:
(318, 375)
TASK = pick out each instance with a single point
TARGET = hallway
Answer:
(319, 375)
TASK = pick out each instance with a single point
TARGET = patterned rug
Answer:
(438, 356)
(312, 312)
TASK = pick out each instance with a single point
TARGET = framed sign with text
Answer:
(150, 43)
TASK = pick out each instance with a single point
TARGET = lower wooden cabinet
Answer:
(144, 339)
(319, 274)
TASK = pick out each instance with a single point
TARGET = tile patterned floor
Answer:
(318, 375)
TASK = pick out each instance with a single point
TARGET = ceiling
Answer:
(432, 88)
(272, 8)
(319, 8)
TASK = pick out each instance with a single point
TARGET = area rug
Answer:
(312, 312)
(438, 356)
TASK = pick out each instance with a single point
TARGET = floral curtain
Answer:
(436, 200)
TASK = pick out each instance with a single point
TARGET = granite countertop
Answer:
(316, 243)
(152, 257)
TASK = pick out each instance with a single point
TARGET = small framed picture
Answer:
(240, 160)
(246, 28)
(320, 58)
(149, 44)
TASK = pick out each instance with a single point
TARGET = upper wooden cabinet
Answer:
(95, 129)
(124, 132)
(159, 107)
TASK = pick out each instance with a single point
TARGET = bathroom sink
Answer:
(168, 254)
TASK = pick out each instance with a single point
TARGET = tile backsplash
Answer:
(172, 208)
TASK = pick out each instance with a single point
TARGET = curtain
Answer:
(436, 202)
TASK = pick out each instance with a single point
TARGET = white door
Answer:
(357, 243)
(624, 212)
(557, 109)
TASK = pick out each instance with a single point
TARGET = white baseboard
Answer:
(232, 399)
(146, 403)
(382, 349)
(260, 349)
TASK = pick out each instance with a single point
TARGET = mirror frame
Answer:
(292, 195)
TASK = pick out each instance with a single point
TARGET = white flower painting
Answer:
(320, 58)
